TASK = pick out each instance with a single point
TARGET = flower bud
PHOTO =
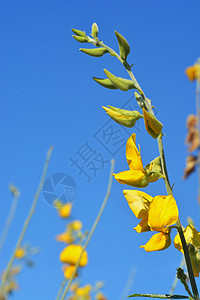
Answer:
(153, 126)
(79, 32)
(120, 83)
(95, 30)
(154, 170)
(80, 39)
(124, 117)
(97, 52)
(105, 83)
(124, 48)
(195, 259)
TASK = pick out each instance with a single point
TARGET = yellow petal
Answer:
(20, 253)
(71, 254)
(192, 236)
(134, 178)
(138, 202)
(143, 226)
(65, 210)
(163, 212)
(75, 225)
(153, 126)
(132, 154)
(65, 237)
(157, 242)
(68, 271)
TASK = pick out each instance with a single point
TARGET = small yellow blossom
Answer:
(157, 214)
(75, 225)
(68, 271)
(84, 292)
(20, 253)
(71, 254)
(192, 238)
(65, 210)
(136, 176)
(193, 72)
(65, 237)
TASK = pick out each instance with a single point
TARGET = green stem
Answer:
(163, 162)
(8, 221)
(32, 210)
(92, 229)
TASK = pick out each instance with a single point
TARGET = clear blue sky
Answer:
(48, 98)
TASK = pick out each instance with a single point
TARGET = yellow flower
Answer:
(75, 225)
(192, 237)
(68, 271)
(193, 72)
(65, 210)
(71, 254)
(157, 214)
(65, 237)
(136, 176)
(84, 292)
(20, 253)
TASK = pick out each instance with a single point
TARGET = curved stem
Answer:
(8, 222)
(92, 229)
(32, 210)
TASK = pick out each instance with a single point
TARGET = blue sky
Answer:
(48, 98)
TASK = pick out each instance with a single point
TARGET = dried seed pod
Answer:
(97, 52)
(105, 83)
(120, 83)
(124, 48)
(191, 162)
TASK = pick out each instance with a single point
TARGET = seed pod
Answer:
(97, 52)
(120, 83)
(124, 48)
(105, 83)
(79, 32)
(124, 117)
(95, 30)
(80, 39)
(153, 126)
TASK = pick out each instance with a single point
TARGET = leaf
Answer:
(160, 296)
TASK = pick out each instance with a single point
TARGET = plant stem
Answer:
(26, 223)
(198, 126)
(92, 229)
(8, 221)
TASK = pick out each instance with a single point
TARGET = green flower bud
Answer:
(153, 126)
(95, 30)
(97, 52)
(195, 259)
(14, 190)
(154, 170)
(124, 117)
(80, 39)
(120, 83)
(124, 48)
(79, 32)
(105, 83)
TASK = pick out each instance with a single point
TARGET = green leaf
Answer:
(160, 296)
